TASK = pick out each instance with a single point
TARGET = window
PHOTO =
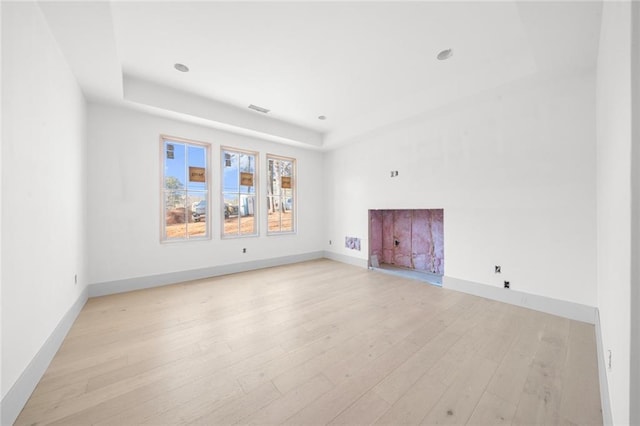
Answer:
(239, 208)
(281, 194)
(185, 189)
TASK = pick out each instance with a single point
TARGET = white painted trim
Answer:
(562, 308)
(139, 283)
(565, 309)
(19, 394)
(634, 344)
(605, 402)
(350, 260)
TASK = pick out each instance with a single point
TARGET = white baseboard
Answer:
(19, 394)
(139, 283)
(605, 402)
(350, 260)
(562, 308)
(574, 311)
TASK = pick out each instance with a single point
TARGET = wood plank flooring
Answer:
(317, 342)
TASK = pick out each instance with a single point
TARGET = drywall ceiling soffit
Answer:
(217, 114)
(361, 64)
(85, 33)
(364, 65)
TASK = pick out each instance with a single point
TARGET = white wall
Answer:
(514, 170)
(124, 199)
(43, 187)
(1, 148)
(635, 218)
(614, 198)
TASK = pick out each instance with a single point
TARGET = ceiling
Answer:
(363, 65)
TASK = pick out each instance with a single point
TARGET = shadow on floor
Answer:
(427, 277)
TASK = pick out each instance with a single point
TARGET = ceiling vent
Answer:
(259, 109)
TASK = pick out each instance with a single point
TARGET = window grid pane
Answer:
(238, 193)
(280, 197)
(185, 190)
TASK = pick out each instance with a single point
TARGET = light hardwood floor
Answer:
(318, 343)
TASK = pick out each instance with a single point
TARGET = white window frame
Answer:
(163, 213)
(256, 185)
(294, 184)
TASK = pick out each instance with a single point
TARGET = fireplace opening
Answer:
(408, 242)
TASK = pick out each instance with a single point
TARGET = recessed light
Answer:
(181, 67)
(322, 117)
(445, 54)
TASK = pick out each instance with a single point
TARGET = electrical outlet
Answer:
(244, 250)
(498, 269)
(329, 242)
(75, 279)
(507, 285)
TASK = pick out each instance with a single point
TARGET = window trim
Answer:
(163, 217)
(256, 185)
(294, 219)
